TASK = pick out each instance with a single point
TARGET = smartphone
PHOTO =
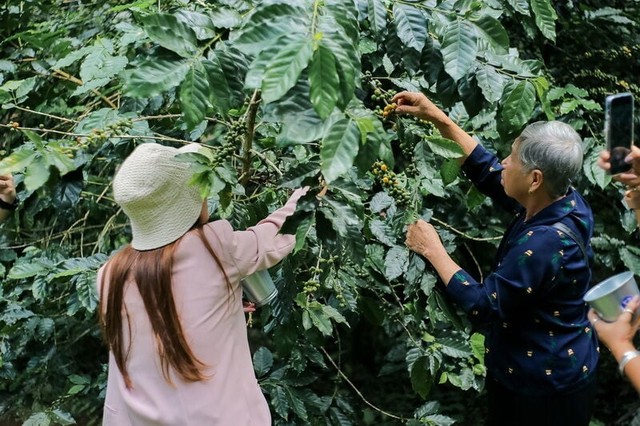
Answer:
(618, 129)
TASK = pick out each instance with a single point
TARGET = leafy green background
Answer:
(290, 93)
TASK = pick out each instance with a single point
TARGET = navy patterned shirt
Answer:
(537, 336)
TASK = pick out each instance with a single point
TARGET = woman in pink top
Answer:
(171, 301)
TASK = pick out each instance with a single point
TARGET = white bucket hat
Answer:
(153, 189)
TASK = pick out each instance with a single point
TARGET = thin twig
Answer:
(475, 261)
(65, 76)
(266, 160)
(467, 236)
(356, 389)
(68, 120)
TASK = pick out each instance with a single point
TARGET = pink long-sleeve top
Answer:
(213, 321)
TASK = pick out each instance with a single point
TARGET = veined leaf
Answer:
(411, 25)
(421, 378)
(545, 16)
(455, 348)
(99, 64)
(154, 77)
(17, 160)
(268, 23)
(26, 270)
(60, 161)
(518, 106)
(279, 401)
(542, 89)
(199, 23)
(170, 33)
(319, 319)
(449, 171)
(37, 173)
(377, 18)
(285, 69)
(459, 48)
(218, 85)
(396, 262)
(262, 361)
(493, 32)
(324, 82)
(520, 6)
(382, 232)
(339, 149)
(444, 147)
(194, 96)
(347, 60)
(490, 82)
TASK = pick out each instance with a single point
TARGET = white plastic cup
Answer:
(259, 288)
(610, 297)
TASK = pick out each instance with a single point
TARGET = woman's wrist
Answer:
(620, 349)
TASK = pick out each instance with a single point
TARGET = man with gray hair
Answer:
(541, 352)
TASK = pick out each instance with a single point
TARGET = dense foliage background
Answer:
(286, 93)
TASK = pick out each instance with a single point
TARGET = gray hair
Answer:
(554, 148)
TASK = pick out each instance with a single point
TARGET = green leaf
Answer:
(220, 94)
(283, 71)
(542, 89)
(421, 378)
(268, 23)
(334, 314)
(26, 270)
(377, 13)
(491, 30)
(100, 64)
(454, 348)
(545, 16)
(449, 171)
(411, 25)
(60, 161)
(37, 173)
(62, 417)
(347, 63)
(170, 33)
(593, 172)
(520, 6)
(194, 97)
(37, 419)
(444, 147)
(297, 404)
(517, 108)
(154, 77)
(201, 24)
(319, 319)
(459, 48)
(339, 149)
(396, 262)
(630, 257)
(382, 232)
(17, 160)
(324, 81)
(279, 401)
(262, 361)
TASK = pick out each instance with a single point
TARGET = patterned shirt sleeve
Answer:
(531, 264)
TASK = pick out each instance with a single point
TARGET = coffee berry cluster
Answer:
(235, 133)
(222, 153)
(115, 129)
(389, 181)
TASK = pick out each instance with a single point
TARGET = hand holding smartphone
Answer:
(619, 129)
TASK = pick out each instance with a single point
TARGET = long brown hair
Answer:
(151, 271)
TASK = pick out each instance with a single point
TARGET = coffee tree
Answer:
(283, 94)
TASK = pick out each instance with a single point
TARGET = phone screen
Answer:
(619, 129)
